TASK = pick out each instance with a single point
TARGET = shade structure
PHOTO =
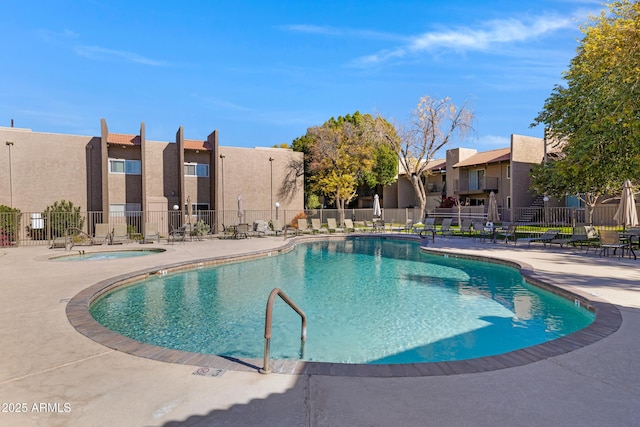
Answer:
(492, 212)
(377, 212)
(239, 208)
(627, 214)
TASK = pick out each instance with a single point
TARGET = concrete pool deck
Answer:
(56, 376)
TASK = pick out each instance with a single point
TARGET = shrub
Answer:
(201, 228)
(61, 216)
(9, 224)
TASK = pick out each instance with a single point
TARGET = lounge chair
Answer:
(609, 239)
(429, 225)
(120, 234)
(303, 226)
(466, 228)
(348, 225)
(150, 233)
(578, 235)
(276, 228)
(317, 227)
(445, 228)
(332, 226)
(259, 228)
(544, 238)
(101, 234)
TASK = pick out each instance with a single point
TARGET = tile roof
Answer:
(123, 139)
(192, 144)
(493, 156)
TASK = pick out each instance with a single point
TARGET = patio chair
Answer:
(150, 233)
(445, 228)
(510, 233)
(120, 234)
(317, 227)
(177, 234)
(544, 238)
(332, 226)
(303, 226)
(101, 234)
(348, 226)
(242, 231)
(483, 231)
(609, 239)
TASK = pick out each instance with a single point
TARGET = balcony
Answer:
(484, 185)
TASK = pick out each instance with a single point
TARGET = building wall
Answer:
(46, 168)
(248, 172)
(49, 167)
(526, 151)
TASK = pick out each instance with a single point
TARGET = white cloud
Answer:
(490, 36)
(103, 54)
(494, 141)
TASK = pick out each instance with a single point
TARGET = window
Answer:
(508, 171)
(476, 179)
(196, 169)
(508, 202)
(127, 167)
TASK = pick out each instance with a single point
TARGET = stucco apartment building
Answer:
(116, 173)
(470, 176)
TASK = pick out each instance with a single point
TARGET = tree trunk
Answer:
(418, 189)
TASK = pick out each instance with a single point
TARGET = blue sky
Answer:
(262, 72)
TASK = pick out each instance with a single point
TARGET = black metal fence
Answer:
(35, 228)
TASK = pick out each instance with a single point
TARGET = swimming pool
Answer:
(368, 301)
(106, 255)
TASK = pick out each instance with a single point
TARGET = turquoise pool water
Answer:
(99, 256)
(366, 301)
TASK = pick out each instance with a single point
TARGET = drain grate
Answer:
(64, 300)
(209, 372)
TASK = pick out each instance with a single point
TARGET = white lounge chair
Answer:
(333, 227)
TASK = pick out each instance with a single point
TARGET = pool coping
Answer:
(607, 320)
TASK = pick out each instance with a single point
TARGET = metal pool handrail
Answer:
(268, 321)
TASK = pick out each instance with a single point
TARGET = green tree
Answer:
(434, 124)
(595, 114)
(61, 216)
(347, 152)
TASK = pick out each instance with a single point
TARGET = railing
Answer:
(484, 185)
(268, 322)
(39, 229)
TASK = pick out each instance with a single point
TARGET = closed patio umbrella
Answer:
(627, 214)
(189, 209)
(492, 212)
(377, 212)
(239, 208)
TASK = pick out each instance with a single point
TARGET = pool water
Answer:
(366, 301)
(99, 256)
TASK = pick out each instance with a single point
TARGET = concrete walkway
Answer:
(56, 376)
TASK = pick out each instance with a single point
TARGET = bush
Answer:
(61, 216)
(9, 224)
(201, 228)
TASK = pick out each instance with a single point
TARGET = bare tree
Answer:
(433, 125)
